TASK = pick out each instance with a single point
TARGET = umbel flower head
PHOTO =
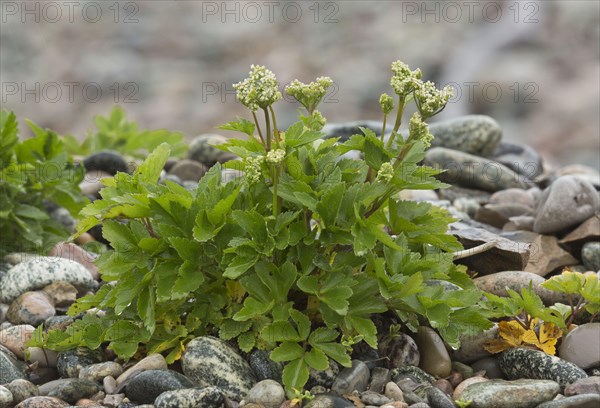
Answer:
(385, 173)
(430, 100)
(252, 168)
(309, 95)
(387, 103)
(259, 90)
(418, 130)
(404, 81)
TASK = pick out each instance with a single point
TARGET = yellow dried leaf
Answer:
(495, 346)
(546, 340)
(511, 332)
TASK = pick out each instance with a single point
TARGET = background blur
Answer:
(532, 65)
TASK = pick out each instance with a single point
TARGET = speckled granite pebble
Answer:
(10, 368)
(264, 367)
(69, 389)
(401, 350)
(590, 255)
(38, 273)
(42, 402)
(510, 394)
(578, 401)
(533, 364)
(209, 397)
(6, 397)
(70, 362)
(208, 361)
(21, 390)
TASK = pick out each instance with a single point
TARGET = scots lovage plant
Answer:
(33, 173)
(294, 256)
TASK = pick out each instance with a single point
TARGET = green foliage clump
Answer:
(34, 172)
(116, 133)
(295, 256)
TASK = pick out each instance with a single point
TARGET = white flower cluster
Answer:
(387, 103)
(309, 95)
(404, 80)
(431, 100)
(418, 130)
(259, 90)
(253, 169)
(386, 172)
(276, 156)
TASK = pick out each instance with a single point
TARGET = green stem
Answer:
(384, 126)
(275, 197)
(268, 122)
(258, 128)
(275, 129)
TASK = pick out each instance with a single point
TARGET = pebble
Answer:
(21, 390)
(457, 393)
(70, 362)
(413, 373)
(323, 378)
(38, 273)
(31, 308)
(434, 356)
(69, 389)
(498, 215)
(545, 255)
(42, 402)
(96, 372)
(510, 394)
(590, 255)
(578, 401)
(264, 367)
(581, 171)
(533, 364)
(566, 203)
(6, 397)
(374, 398)
(76, 253)
(472, 171)
(43, 357)
(393, 392)
(146, 386)
(581, 346)
(438, 398)
(401, 350)
(353, 378)
(201, 150)
(209, 361)
(521, 158)
(513, 196)
(188, 170)
(92, 184)
(268, 393)
(590, 385)
(42, 375)
(497, 284)
(61, 293)
(471, 344)
(589, 230)
(151, 362)
(474, 134)
(58, 322)
(110, 384)
(490, 366)
(15, 337)
(464, 370)
(328, 401)
(209, 397)
(107, 161)
(380, 376)
(64, 217)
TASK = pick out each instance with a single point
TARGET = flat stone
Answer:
(434, 356)
(146, 386)
(499, 214)
(267, 393)
(510, 394)
(566, 203)
(38, 273)
(506, 255)
(517, 280)
(457, 394)
(69, 389)
(590, 385)
(355, 378)
(588, 231)
(380, 376)
(209, 361)
(519, 223)
(209, 397)
(61, 293)
(578, 401)
(31, 308)
(474, 134)
(513, 196)
(533, 364)
(521, 158)
(581, 346)
(472, 171)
